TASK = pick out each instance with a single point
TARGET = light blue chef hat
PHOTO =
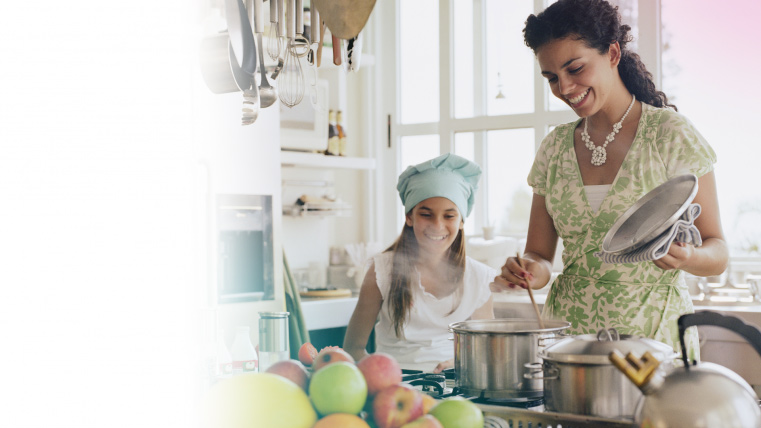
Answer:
(448, 176)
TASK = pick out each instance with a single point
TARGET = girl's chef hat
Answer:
(448, 176)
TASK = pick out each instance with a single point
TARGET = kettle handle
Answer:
(749, 332)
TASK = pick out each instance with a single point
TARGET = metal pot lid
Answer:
(507, 325)
(595, 348)
(652, 215)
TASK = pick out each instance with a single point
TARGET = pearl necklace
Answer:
(599, 155)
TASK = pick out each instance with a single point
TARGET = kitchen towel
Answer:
(683, 230)
(297, 330)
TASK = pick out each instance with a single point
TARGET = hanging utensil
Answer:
(291, 83)
(345, 18)
(319, 47)
(267, 94)
(274, 42)
(241, 36)
(531, 294)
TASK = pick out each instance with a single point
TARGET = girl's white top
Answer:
(427, 337)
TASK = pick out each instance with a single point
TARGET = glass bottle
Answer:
(341, 134)
(333, 138)
(243, 352)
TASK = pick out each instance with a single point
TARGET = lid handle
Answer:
(749, 332)
(638, 370)
(608, 335)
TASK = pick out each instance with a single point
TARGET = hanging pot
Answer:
(698, 394)
(580, 379)
(219, 68)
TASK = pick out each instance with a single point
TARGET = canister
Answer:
(273, 338)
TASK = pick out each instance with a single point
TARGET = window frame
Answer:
(649, 22)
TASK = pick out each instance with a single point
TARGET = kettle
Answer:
(696, 395)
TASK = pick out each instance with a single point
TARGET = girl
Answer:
(423, 282)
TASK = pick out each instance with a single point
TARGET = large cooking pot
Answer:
(579, 377)
(492, 356)
(698, 394)
(219, 66)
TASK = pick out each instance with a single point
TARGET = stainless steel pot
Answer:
(219, 67)
(579, 377)
(491, 357)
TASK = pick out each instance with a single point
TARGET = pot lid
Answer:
(595, 348)
(507, 325)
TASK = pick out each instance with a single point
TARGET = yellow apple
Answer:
(258, 400)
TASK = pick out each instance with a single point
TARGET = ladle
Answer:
(267, 94)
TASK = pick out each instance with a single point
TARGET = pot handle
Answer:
(535, 372)
(749, 332)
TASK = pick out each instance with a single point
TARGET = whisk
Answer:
(291, 82)
(274, 42)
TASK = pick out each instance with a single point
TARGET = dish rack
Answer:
(510, 417)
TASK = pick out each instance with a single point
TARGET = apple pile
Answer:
(369, 393)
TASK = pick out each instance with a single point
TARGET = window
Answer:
(709, 75)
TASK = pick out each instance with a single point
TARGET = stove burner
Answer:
(521, 403)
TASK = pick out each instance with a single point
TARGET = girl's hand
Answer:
(677, 258)
(444, 365)
(513, 275)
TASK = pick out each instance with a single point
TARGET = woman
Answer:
(628, 140)
(424, 281)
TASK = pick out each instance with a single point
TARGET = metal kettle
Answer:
(698, 394)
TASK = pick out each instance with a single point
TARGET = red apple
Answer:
(292, 370)
(380, 370)
(330, 355)
(425, 421)
(307, 352)
(396, 405)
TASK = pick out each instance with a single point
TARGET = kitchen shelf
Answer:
(337, 209)
(317, 160)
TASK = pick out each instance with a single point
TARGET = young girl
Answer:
(423, 282)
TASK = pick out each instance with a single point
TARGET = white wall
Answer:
(241, 160)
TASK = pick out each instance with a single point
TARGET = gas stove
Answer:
(502, 412)
(442, 385)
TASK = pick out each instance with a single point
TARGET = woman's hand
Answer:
(677, 258)
(444, 365)
(513, 275)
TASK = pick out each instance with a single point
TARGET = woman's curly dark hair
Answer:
(598, 24)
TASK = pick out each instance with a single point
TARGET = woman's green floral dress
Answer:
(637, 298)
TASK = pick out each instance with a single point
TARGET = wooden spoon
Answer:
(531, 293)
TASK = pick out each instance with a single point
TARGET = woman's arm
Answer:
(363, 319)
(710, 258)
(541, 242)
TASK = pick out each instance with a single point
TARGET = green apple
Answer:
(258, 399)
(338, 388)
(457, 412)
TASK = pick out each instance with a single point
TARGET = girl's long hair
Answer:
(598, 24)
(406, 252)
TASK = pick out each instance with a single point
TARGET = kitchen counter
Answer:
(322, 313)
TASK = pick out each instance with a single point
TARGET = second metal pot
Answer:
(492, 356)
(580, 379)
